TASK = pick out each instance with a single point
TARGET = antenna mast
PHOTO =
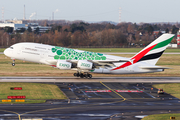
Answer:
(2, 14)
(52, 15)
(24, 17)
(119, 14)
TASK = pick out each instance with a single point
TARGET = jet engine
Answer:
(85, 65)
(61, 64)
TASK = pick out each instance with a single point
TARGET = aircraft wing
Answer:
(112, 61)
(153, 67)
(107, 63)
(96, 63)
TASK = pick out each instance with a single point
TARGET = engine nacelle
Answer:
(85, 65)
(61, 64)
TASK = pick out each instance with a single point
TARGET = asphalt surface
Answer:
(95, 100)
(94, 79)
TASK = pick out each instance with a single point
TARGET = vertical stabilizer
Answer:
(153, 51)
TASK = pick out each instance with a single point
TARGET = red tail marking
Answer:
(136, 58)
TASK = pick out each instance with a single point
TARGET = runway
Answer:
(101, 99)
(94, 79)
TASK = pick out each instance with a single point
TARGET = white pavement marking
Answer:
(95, 79)
(140, 116)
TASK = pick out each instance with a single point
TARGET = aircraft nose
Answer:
(7, 52)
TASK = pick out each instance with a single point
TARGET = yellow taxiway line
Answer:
(113, 90)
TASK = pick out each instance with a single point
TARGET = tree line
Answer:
(81, 34)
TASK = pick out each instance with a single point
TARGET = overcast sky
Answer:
(94, 10)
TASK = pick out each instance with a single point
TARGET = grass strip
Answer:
(26, 102)
(162, 117)
(171, 88)
(35, 92)
(174, 90)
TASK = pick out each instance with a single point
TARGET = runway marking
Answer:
(99, 91)
(125, 90)
(19, 116)
(136, 100)
(131, 91)
(68, 107)
(112, 90)
(126, 98)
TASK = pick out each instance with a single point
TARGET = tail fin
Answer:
(154, 50)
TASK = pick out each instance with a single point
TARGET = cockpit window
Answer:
(11, 47)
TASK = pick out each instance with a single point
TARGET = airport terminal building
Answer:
(18, 24)
(13, 25)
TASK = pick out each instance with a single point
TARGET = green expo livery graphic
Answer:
(71, 54)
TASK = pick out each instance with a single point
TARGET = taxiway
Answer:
(98, 98)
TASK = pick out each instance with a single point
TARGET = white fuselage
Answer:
(41, 53)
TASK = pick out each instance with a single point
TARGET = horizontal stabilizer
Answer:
(153, 67)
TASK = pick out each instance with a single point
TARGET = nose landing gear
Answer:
(83, 75)
(13, 63)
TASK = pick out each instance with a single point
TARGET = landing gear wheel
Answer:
(78, 74)
(89, 76)
(86, 75)
(13, 64)
(81, 75)
(75, 74)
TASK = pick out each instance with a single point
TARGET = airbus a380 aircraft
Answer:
(86, 62)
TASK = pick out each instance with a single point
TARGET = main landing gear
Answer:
(83, 75)
(13, 63)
